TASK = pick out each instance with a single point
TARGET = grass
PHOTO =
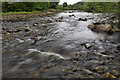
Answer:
(24, 12)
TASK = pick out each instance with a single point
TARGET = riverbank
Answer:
(25, 15)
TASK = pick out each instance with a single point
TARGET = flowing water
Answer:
(60, 46)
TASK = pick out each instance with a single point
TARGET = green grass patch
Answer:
(24, 12)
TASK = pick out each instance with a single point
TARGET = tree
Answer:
(17, 6)
(65, 4)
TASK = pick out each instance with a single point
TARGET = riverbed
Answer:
(60, 46)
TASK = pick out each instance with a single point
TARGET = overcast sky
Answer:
(69, 1)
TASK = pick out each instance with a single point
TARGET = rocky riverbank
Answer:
(59, 46)
(18, 17)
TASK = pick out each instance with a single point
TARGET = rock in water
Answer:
(71, 15)
(91, 26)
(49, 21)
(118, 47)
(80, 19)
(35, 24)
(26, 30)
(88, 45)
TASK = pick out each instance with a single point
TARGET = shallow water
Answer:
(65, 40)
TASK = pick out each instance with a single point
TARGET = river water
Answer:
(60, 46)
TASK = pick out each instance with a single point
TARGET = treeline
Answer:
(37, 6)
(100, 7)
(96, 6)
(28, 6)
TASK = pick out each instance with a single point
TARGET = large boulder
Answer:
(103, 27)
(81, 19)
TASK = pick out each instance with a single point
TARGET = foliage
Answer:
(28, 6)
(100, 6)
(65, 4)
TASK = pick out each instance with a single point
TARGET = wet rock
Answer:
(3, 28)
(91, 26)
(61, 17)
(71, 11)
(103, 27)
(88, 45)
(71, 15)
(58, 20)
(74, 59)
(49, 21)
(81, 19)
(35, 24)
(104, 52)
(27, 30)
(118, 47)
(17, 30)
(20, 41)
(74, 70)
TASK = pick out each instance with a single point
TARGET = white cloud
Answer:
(69, 1)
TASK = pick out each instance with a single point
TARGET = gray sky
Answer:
(69, 1)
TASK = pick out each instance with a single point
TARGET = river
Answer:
(60, 45)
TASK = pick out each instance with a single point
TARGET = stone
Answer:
(17, 30)
(49, 21)
(35, 24)
(88, 45)
(81, 19)
(26, 30)
(103, 27)
(91, 26)
(3, 28)
(71, 11)
(118, 47)
(71, 15)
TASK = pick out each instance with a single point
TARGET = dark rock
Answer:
(35, 24)
(118, 47)
(71, 15)
(49, 21)
(3, 28)
(80, 19)
(26, 30)
(71, 11)
(74, 70)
